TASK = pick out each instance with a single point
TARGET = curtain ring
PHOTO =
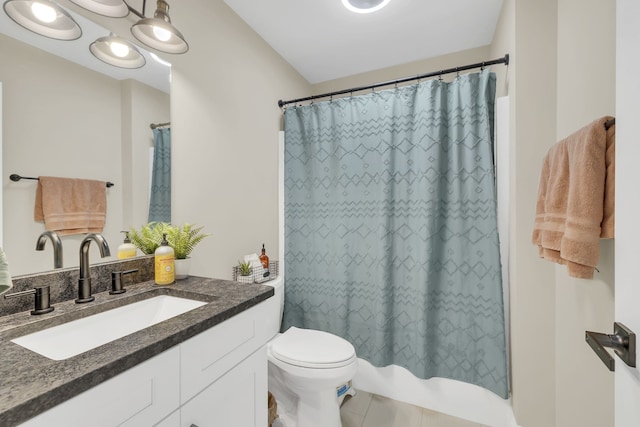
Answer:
(457, 72)
(482, 67)
(440, 76)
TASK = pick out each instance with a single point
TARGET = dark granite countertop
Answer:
(31, 383)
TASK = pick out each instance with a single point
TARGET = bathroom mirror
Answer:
(63, 118)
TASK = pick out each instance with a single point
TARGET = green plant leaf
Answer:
(184, 239)
(149, 237)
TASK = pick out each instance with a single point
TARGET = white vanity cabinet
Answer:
(238, 398)
(216, 378)
(141, 396)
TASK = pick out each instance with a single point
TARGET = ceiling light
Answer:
(158, 33)
(43, 17)
(117, 51)
(364, 6)
(43, 12)
(110, 8)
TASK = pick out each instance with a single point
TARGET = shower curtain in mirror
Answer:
(390, 228)
(160, 200)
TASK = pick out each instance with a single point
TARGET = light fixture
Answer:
(158, 33)
(117, 51)
(43, 17)
(364, 6)
(110, 8)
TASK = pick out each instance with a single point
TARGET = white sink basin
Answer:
(75, 337)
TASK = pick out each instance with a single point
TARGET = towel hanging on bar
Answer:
(15, 177)
(71, 206)
(576, 198)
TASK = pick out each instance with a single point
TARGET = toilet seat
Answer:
(308, 348)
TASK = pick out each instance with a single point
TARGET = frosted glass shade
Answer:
(364, 6)
(158, 32)
(111, 8)
(43, 17)
(118, 52)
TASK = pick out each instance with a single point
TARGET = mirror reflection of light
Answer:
(161, 34)
(119, 49)
(160, 60)
(43, 12)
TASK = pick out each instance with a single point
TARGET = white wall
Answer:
(560, 79)
(586, 91)
(225, 123)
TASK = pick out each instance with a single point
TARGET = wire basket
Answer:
(256, 277)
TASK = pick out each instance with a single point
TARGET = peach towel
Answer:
(71, 206)
(576, 199)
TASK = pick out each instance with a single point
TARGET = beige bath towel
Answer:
(71, 206)
(576, 205)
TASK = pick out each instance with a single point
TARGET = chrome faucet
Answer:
(84, 280)
(57, 246)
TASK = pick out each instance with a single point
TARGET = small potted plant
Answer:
(149, 237)
(245, 274)
(183, 239)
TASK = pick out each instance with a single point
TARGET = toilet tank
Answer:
(278, 288)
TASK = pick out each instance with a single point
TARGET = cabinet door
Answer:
(210, 354)
(140, 396)
(238, 398)
(172, 420)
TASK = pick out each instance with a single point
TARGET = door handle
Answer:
(623, 342)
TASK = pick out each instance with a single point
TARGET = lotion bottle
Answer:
(126, 249)
(164, 267)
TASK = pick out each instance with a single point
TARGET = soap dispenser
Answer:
(164, 265)
(126, 249)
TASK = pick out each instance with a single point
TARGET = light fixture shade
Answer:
(118, 52)
(110, 8)
(364, 6)
(56, 24)
(158, 33)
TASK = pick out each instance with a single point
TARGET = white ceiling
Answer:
(323, 41)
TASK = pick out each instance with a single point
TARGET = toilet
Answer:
(310, 373)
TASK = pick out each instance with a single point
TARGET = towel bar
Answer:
(15, 177)
(623, 342)
(609, 123)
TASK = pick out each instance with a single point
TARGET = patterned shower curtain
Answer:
(160, 202)
(391, 235)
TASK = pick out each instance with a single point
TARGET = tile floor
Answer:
(370, 410)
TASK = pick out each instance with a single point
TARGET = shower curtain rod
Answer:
(159, 125)
(504, 60)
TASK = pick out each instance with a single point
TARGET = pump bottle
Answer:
(126, 249)
(165, 273)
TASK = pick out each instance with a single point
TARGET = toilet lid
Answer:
(312, 349)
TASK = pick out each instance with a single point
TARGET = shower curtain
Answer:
(391, 235)
(160, 199)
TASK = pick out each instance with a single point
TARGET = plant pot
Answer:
(182, 268)
(245, 279)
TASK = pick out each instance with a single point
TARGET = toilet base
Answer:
(301, 407)
(321, 410)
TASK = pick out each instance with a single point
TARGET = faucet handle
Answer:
(116, 281)
(42, 299)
